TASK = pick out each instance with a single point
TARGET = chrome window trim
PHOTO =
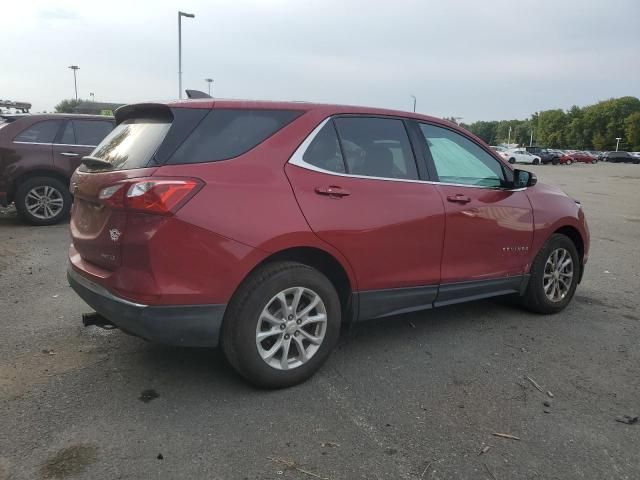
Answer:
(297, 160)
(58, 144)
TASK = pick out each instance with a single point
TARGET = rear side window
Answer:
(41, 132)
(91, 132)
(324, 150)
(68, 135)
(225, 134)
(376, 147)
(131, 144)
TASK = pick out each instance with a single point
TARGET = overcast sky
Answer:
(489, 59)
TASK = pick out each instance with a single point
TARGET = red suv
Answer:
(263, 227)
(38, 154)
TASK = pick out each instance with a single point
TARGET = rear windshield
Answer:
(131, 144)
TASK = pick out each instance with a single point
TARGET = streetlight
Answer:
(509, 140)
(531, 138)
(93, 97)
(180, 15)
(618, 142)
(209, 82)
(414, 102)
(75, 82)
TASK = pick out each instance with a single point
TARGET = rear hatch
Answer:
(144, 134)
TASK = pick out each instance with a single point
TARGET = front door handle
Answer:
(333, 191)
(458, 198)
(69, 154)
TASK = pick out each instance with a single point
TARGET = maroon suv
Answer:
(266, 226)
(38, 154)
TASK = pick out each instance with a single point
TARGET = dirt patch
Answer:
(69, 461)
(147, 395)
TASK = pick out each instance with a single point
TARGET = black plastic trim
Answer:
(181, 325)
(372, 304)
(449, 294)
(383, 303)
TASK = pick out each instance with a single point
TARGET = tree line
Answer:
(594, 127)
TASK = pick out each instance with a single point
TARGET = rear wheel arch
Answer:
(320, 260)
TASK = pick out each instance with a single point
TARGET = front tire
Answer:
(512, 160)
(43, 201)
(281, 325)
(536, 162)
(553, 277)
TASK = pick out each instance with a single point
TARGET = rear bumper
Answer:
(181, 325)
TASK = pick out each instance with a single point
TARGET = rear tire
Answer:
(569, 162)
(540, 298)
(43, 201)
(512, 160)
(536, 162)
(256, 309)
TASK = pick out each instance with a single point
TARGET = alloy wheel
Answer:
(44, 202)
(558, 275)
(291, 328)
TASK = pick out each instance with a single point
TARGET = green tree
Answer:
(68, 105)
(598, 141)
(632, 131)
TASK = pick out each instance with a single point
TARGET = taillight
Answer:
(161, 196)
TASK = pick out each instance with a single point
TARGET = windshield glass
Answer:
(130, 145)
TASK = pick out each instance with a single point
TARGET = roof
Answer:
(300, 105)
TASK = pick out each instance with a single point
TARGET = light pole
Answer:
(209, 82)
(618, 142)
(93, 97)
(531, 138)
(180, 15)
(509, 140)
(414, 102)
(75, 82)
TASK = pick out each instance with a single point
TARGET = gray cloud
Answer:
(477, 60)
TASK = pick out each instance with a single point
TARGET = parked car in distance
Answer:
(546, 155)
(264, 226)
(583, 157)
(38, 155)
(620, 157)
(521, 156)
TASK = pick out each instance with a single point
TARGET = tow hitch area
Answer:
(98, 320)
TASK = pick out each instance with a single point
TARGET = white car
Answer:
(520, 156)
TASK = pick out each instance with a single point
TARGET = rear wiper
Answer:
(95, 162)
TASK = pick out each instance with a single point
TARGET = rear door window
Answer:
(227, 133)
(376, 147)
(41, 132)
(68, 136)
(324, 150)
(91, 132)
(131, 144)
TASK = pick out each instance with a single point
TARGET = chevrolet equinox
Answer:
(263, 227)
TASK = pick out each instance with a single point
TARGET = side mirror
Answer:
(522, 178)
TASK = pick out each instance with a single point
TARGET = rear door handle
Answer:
(333, 191)
(69, 154)
(458, 198)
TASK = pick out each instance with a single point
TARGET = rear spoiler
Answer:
(136, 110)
(197, 94)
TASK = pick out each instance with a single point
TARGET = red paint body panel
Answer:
(391, 232)
(479, 231)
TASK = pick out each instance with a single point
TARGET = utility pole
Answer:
(618, 142)
(180, 15)
(414, 102)
(75, 68)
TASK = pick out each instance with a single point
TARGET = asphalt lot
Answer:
(411, 397)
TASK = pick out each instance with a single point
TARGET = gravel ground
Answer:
(413, 397)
